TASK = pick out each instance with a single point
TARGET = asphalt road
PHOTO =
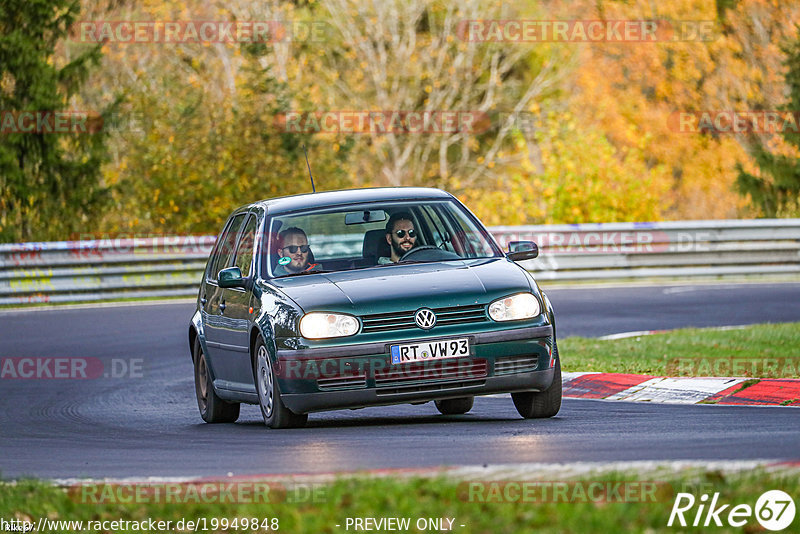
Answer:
(145, 423)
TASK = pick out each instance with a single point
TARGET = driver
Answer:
(400, 235)
(294, 253)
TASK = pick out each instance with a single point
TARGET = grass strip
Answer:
(481, 506)
(758, 351)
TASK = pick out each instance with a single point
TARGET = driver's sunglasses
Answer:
(293, 248)
(402, 233)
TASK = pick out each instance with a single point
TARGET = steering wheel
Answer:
(417, 249)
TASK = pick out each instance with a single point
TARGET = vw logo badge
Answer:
(425, 318)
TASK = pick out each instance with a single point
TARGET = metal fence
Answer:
(674, 249)
(138, 267)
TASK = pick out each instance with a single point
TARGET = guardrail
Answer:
(69, 271)
(121, 268)
(664, 249)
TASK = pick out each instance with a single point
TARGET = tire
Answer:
(541, 404)
(455, 406)
(275, 413)
(212, 408)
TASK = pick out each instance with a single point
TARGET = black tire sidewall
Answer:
(217, 410)
(457, 406)
(198, 356)
(281, 416)
(268, 420)
(542, 404)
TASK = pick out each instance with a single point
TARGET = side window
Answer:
(467, 237)
(223, 252)
(439, 230)
(244, 250)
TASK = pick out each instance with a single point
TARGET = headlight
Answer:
(514, 307)
(318, 325)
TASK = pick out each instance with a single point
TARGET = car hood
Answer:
(406, 286)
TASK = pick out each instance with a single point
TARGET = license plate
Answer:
(430, 350)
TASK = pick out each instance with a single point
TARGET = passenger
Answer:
(294, 253)
(400, 235)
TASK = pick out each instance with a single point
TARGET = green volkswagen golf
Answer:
(368, 297)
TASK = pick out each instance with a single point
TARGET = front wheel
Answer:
(212, 408)
(275, 413)
(541, 404)
(455, 406)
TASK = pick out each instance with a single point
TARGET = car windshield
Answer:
(378, 234)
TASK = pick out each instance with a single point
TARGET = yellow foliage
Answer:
(603, 148)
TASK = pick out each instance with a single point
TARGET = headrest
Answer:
(375, 245)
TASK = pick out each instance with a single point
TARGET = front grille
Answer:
(342, 382)
(438, 370)
(516, 364)
(384, 322)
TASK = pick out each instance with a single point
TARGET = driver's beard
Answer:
(292, 268)
(398, 250)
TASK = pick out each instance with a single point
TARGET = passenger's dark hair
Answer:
(399, 216)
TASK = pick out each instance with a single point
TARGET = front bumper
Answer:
(361, 375)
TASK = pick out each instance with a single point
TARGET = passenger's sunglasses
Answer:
(402, 233)
(293, 248)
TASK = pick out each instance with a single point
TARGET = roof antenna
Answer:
(313, 189)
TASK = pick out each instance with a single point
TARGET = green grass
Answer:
(761, 351)
(422, 498)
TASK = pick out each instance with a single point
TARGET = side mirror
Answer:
(522, 250)
(230, 277)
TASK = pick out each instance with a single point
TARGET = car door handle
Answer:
(222, 306)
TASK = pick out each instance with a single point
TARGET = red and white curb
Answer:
(691, 390)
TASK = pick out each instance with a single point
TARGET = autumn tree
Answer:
(599, 146)
(50, 183)
(414, 56)
(205, 141)
(776, 188)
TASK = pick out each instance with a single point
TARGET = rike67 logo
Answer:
(774, 510)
